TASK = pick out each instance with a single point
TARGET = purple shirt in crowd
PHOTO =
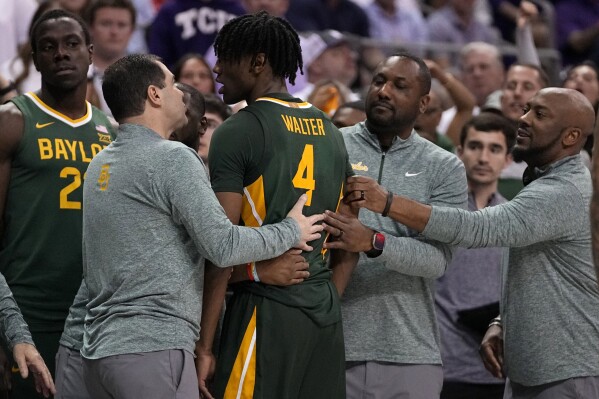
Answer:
(472, 280)
(189, 26)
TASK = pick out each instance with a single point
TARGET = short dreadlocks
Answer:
(261, 33)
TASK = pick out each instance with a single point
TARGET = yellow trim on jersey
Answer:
(52, 112)
(253, 206)
(243, 375)
(284, 103)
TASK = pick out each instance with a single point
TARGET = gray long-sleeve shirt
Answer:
(149, 220)
(13, 328)
(388, 306)
(550, 299)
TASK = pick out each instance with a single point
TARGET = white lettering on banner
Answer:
(207, 20)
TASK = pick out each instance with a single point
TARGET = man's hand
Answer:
(28, 358)
(347, 233)
(365, 192)
(310, 231)
(205, 366)
(491, 351)
(527, 12)
(288, 269)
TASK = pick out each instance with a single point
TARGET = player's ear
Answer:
(258, 63)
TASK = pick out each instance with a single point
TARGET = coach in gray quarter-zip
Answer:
(391, 334)
(550, 298)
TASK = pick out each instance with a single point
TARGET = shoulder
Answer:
(352, 131)
(244, 121)
(12, 126)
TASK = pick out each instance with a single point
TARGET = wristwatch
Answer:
(378, 243)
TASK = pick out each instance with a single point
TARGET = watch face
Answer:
(379, 241)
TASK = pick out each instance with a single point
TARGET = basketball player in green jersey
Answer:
(277, 341)
(47, 140)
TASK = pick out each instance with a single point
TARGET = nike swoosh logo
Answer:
(408, 174)
(15, 369)
(43, 125)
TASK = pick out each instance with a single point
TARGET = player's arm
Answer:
(11, 132)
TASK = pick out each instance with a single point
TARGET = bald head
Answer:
(575, 109)
(555, 124)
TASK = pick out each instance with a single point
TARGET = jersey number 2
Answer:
(74, 185)
(304, 177)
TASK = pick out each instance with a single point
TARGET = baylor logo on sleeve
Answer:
(104, 177)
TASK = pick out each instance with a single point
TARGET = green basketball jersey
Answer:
(273, 151)
(40, 253)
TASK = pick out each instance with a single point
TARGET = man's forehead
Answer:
(51, 24)
(399, 67)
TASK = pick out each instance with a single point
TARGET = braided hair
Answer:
(261, 33)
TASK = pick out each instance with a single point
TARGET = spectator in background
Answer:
(189, 26)
(318, 15)
(78, 7)
(505, 19)
(192, 69)
(328, 94)
(464, 101)
(216, 113)
(111, 24)
(467, 295)
(584, 78)
(349, 114)
(277, 8)
(455, 23)
(577, 29)
(145, 15)
(427, 122)
(327, 55)
(390, 22)
(482, 72)
(20, 70)
(15, 20)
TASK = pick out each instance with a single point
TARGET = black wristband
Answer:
(7, 89)
(388, 204)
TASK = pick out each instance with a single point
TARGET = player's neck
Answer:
(272, 86)
(68, 102)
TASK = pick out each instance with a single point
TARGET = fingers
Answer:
(299, 205)
(333, 231)
(490, 360)
(204, 393)
(315, 218)
(305, 246)
(335, 220)
(21, 363)
(338, 244)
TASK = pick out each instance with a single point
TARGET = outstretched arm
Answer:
(595, 201)
(463, 99)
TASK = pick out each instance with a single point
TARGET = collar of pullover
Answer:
(131, 130)
(532, 174)
(397, 143)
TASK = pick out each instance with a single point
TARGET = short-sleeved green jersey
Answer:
(271, 152)
(40, 253)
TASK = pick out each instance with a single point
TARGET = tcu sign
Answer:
(207, 21)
